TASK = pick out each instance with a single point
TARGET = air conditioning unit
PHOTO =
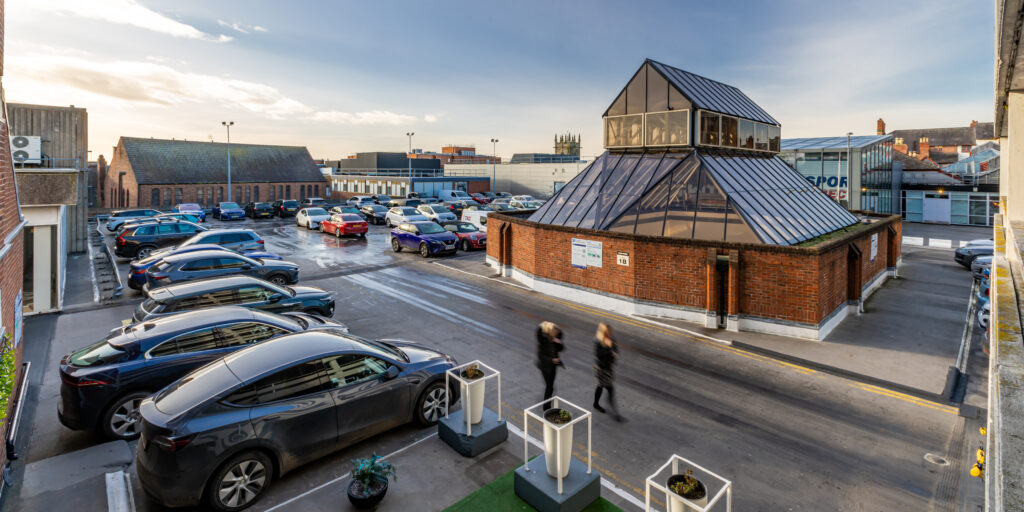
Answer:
(26, 149)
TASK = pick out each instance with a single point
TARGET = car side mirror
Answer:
(391, 373)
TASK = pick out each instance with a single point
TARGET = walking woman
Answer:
(549, 344)
(606, 351)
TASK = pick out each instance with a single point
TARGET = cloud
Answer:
(258, 28)
(241, 27)
(364, 118)
(430, 118)
(126, 12)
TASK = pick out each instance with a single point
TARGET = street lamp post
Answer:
(228, 125)
(408, 158)
(849, 170)
(494, 155)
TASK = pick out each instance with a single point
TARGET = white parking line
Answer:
(938, 242)
(119, 492)
(913, 240)
(449, 267)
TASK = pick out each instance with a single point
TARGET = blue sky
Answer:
(342, 77)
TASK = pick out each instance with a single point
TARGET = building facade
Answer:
(540, 179)
(941, 145)
(162, 173)
(344, 186)
(824, 162)
(452, 153)
(929, 193)
(568, 144)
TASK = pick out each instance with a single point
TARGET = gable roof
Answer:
(709, 94)
(161, 161)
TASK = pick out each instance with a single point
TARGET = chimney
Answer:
(881, 127)
(900, 146)
(974, 123)
(923, 148)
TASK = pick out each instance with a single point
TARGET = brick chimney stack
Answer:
(881, 127)
(923, 149)
(900, 146)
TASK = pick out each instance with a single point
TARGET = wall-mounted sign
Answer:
(594, 253)
(622, 258)
(874, 246)
(586, 253)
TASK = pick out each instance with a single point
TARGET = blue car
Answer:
(102, 384)
(191, 209)
(228, 211)
(137, 269)
(426, 237)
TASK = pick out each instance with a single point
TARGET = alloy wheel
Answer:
(465, 245)
(435, 404)
(124, 420)
(242, 483)
(279, 280)
(424, 250)
(143, 253)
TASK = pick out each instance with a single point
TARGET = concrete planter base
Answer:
(487, 434)
(540, 490)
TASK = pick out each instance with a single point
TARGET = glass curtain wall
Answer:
(876, 177)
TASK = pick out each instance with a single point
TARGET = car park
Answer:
(374, 213)
(403, 214)
(437, 213)
(979, 265)
(194, 265)
(117, 218)
(251, 292)
(359, 201)
(965, 255)
(480, 198)
(285, 208)
(454, 195)
(310, 202)
(476, 218)
(524, 204)
(470, 236)
(381, 199)
(141, 240)
(137, 268)
(311, 217)
(237, 239)
(426, 237)
(103, 383)
(338, 210)
(228, 210)
(191, 209)
(256, 210)
(501, 207)
(344, 224)
(260, 412)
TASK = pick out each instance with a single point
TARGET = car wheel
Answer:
(395, 246)
(465, 245)
(240, 481)
(387, 222)
(321, 227)
(362, 235)
(433, 404)
(309, 225)
(278, 279)
(143, 252)
(120, 420)
(424, 250)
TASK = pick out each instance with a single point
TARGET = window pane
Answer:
(736, 230)
(710, 221)
(294, 382)
(624, 131)
(651, 209)
(351, 369)
(249, 332)
(205, 339)
(619, 107)
(761, 137)
(657, 91)
(165, 229)
(746, 134)
(676, 100)
(253, 294)
(636, 93)
(632, 188)
(709, 128)
(774, 138)
(603, 193)
(730, 131)
(685, 182)
(231, 263)
(668, 128)
(573, 202)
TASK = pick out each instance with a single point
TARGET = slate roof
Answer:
(912, 164)
(963, 135)
(984, 131)
(709, 94)
(160, 161)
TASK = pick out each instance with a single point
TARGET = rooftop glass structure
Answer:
(654, 180)
(823, 162)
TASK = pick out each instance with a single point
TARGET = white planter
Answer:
(680, 504)
(475, 400)
(562, 451)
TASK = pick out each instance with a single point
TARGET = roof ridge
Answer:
(696, 75)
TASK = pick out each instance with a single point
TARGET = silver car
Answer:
(437, 213)
(403, 214)
(979, 265)
(311, 217)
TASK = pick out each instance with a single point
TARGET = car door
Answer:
(267, 299)
(293, 410)
(368, 401)
(405, 235)
(196, 269)
(183, 232)
(231, 241)
(232, 265)
(181, 354)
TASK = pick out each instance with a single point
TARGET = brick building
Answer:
(453, 153)
(162, 173)
(940, 145)
(713, 228)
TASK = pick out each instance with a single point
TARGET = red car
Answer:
(480, 198)
(470, 237)
(345, 224)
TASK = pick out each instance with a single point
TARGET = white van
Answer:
(477, 218)
(455, 195)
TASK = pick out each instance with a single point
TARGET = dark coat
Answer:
(604, 357)
(547, 350)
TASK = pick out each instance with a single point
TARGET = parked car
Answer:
(117, 218)
(262, 411)
(478, 208)
(359, 201)
(979, 265)
(310, 202)
(504, 194)
(426, 237)
(256, 210)
(413, 202)
(285, 208)
(191, 209)
(239, 239)
(163, 217)
(983, 291)
(374, 213)
(137, 268)
(142, 240)
(524, 204)
(228, 210)
(454, 195)
(476, 218)
(984, 311)
(311, 217)
(965, 255)
(522, 197)
(480, 198)
(501, 207)
(470, 236)
(251, 292)
(338, 210)
(490, 195)
(437, 213)
(103, 383)
(402, 214)
(456, 207)
(345, 224)
(381, 199)
(194, 265)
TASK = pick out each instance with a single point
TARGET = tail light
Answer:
(260, 241)
(138, 272)
(121, 240)
(82, 383)
(158, 277)
(986, 291)
(172, 444)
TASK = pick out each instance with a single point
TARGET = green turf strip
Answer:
(500, 496)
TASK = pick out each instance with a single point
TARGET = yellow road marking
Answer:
(904, 397)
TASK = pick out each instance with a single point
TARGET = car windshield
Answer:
(378, 347)
(315, 211)
(96, 354)
(438, 209)
(228, 205)
(501, 207)
(459, 193)
(351, 218)
(188, 206)
(466, 227)
(149, 304)
(378, 208)
(409, 211)
(349, 209)
(290, 204)
(316, 201)
(261, 205)
(430, 229)
(483, 208)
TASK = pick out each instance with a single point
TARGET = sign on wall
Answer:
(594, 254)
(874, 246)
(586, 253)
(622, 258)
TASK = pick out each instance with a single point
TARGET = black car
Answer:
(259, 210)
(140, 241)
(163, 217)
(374, 213)
(103, 383)
(117, 218)
(381, 199)
(285, 208)
(247, 291)
(191, 266)
(224, 432)
(965, 255)
(411, 202)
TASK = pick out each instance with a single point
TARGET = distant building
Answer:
(538, 179)
(941, 145)
(162, 173)
(823, 162)
(543, 158)
(386, 163)
(567, 144)
(453, 153)
(959, 193)
(344, 186)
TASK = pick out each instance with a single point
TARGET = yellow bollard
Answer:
(976, 471)
(982, 430)
(981, 456)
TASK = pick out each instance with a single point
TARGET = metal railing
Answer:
(46, 162)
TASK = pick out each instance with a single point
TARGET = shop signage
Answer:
(874, 246)
(622, 258)
(586, 253)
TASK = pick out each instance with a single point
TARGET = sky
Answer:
(342, 77)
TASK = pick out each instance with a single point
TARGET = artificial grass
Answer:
(500, 496)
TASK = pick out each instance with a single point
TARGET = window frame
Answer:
(149, 353)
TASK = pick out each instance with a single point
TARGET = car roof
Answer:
(285, 351)
(203, 285)
(184, 321)
(195, 255)
(421, 223)
(229, 230)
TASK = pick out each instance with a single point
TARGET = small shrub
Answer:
(688, 486)
(367, 470)
(8, 374)
(472, 372)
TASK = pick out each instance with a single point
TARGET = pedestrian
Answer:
(549, 344)
(606, 352)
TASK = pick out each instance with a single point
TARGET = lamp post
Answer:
(408, 158)
(494, 155)
(228, 125)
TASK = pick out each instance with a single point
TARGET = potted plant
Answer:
(474, 392)
(686, 486)
(369, 481)
(557, 443)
